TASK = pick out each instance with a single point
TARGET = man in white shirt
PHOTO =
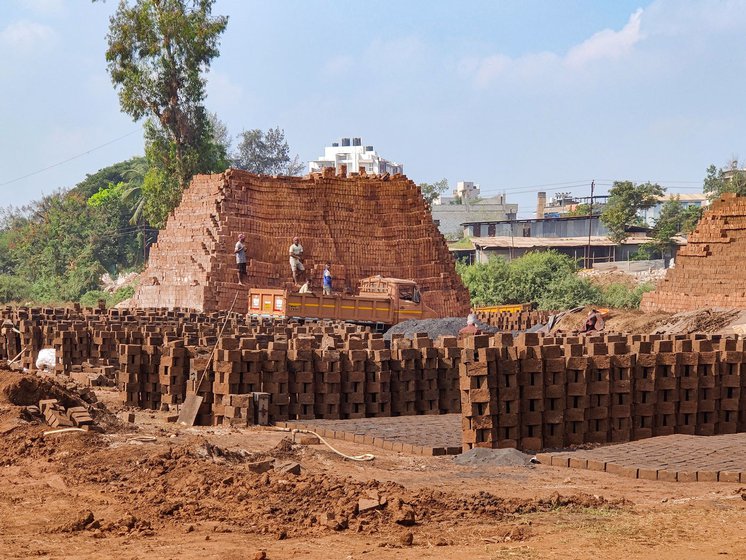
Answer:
(296, 259)
(240, 252)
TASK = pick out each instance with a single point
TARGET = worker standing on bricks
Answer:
(240, 252)
(296, 259)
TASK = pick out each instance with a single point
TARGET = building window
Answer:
(491, 230)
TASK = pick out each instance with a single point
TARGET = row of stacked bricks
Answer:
(508, 321)
(554, 392)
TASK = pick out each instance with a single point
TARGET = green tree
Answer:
(158, 51)
(719, 181)
(545, 277)
(674, 220)
(266, 153)
(626, 199)
(431, 191)
(584, 209)
(569, 291)
(56, 249)
(486, 282)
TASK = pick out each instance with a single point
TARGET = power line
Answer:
(68, 159)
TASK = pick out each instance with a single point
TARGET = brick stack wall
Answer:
(539, 392)
(707, 274)
(509, 321)
(530, 391)
(364, 225)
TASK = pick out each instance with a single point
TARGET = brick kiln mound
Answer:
(364, 225)
(709, 270)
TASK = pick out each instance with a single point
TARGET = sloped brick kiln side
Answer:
(363, 225)
(709, 270)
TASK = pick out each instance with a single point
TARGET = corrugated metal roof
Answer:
(506, 242)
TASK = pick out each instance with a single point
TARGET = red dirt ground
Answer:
(191, 494)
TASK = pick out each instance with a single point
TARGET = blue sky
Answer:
(518, 96)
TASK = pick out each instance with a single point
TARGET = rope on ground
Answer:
(63, 431)
(359, 458)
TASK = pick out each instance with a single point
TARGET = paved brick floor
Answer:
(676, 458)
(419, 435)
(679, 458)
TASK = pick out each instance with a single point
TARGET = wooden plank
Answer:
(189, 409)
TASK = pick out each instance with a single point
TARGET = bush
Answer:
(13, 288)
(531, 275)
(92, 297)
(568, 292)
(546, 278)
(121, 294)
(620, 296)
(530, 278)
(487, 283)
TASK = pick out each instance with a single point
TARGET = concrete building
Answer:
(651, 215)
(352, 153)
(449, 213)
(572, 226)
(569, 235)
(603, 250)
(563, 203)
(465, 191)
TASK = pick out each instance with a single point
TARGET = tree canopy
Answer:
(546, 278)
(719, 181)
(431, 191)
(266, 153)
(158, 51)
(57, 248)
(674, 219)
(626, 200)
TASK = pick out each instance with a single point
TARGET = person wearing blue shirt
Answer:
(327, 280)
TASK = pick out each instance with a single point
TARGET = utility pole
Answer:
(588, 262)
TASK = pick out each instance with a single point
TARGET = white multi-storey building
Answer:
(352, 153)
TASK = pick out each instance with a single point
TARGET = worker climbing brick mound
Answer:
(364, 225)
(709, 270)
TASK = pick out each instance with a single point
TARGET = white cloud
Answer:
(27, 36)
(398, 54)
(337, 65)
(44, 7)
(606, 44)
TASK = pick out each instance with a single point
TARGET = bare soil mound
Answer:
(184, 484)
(26, 389)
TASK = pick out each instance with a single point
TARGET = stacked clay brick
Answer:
(708, 271)
(538, 393)
(531, 392)
(364, 225)
(513, 321)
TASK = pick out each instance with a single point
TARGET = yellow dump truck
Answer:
(382, 302)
